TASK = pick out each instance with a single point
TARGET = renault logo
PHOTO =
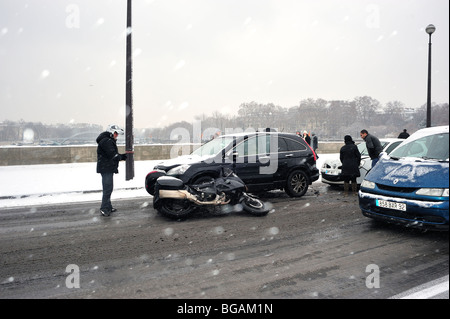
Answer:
(395, 181)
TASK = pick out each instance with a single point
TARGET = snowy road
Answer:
(318, 246)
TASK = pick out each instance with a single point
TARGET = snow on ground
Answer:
(28, 185)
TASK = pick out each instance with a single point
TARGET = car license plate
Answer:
(391, 205)
(331, 172)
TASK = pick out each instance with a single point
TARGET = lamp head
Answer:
(430, 29)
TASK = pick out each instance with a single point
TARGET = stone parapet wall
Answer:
(33, 155)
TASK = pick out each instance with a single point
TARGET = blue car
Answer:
(410, 186)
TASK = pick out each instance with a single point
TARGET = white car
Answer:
(331, 168)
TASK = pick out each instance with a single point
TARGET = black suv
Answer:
(263, 160)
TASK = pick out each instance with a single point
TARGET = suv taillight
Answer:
(314, 153)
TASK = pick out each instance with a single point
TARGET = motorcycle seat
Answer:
(168, 182)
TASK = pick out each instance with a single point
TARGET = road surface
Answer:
(319, 246)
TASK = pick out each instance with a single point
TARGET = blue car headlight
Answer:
(436, 192)
(368, 184)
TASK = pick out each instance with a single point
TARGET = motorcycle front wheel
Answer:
(176, 208)
(254, 206)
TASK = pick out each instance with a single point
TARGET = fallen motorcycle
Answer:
(174, 199)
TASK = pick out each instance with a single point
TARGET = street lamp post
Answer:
(129, 139)
(429, 29)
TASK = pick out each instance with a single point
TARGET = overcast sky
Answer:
(64, 61)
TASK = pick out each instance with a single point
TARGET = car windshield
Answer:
(363, 149)
(428, 147)
(214, 146)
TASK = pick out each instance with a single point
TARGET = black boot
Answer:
(346, 188)
(354, 188)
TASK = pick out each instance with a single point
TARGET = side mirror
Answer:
(383, 155)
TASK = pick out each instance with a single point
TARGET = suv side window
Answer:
(260, 145)
(256, 145)
(247, 147)
(282, 145)
(294, 145)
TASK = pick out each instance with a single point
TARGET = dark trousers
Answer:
(374, 161)
(349, 178)
(108, 185)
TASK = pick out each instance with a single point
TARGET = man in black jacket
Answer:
(108, 158)
(403, 134)
(373, 145)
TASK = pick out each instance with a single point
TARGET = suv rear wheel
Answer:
(297, 184)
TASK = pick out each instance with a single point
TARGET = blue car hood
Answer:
(410, 173)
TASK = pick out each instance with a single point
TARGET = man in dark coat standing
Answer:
(373, 145)
(108, 158)
(350, 158)
(403, 134)
(314, 141)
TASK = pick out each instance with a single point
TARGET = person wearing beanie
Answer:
(350, 158)
(108, 158)
(306, 137)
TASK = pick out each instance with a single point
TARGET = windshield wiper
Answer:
(434, 159)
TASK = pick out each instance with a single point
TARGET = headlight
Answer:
(437, 192)
(179, 170)
(367, 184)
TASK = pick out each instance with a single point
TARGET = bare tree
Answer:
(366, 108)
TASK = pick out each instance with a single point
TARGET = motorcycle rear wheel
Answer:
(254, 206)
(176, 208)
